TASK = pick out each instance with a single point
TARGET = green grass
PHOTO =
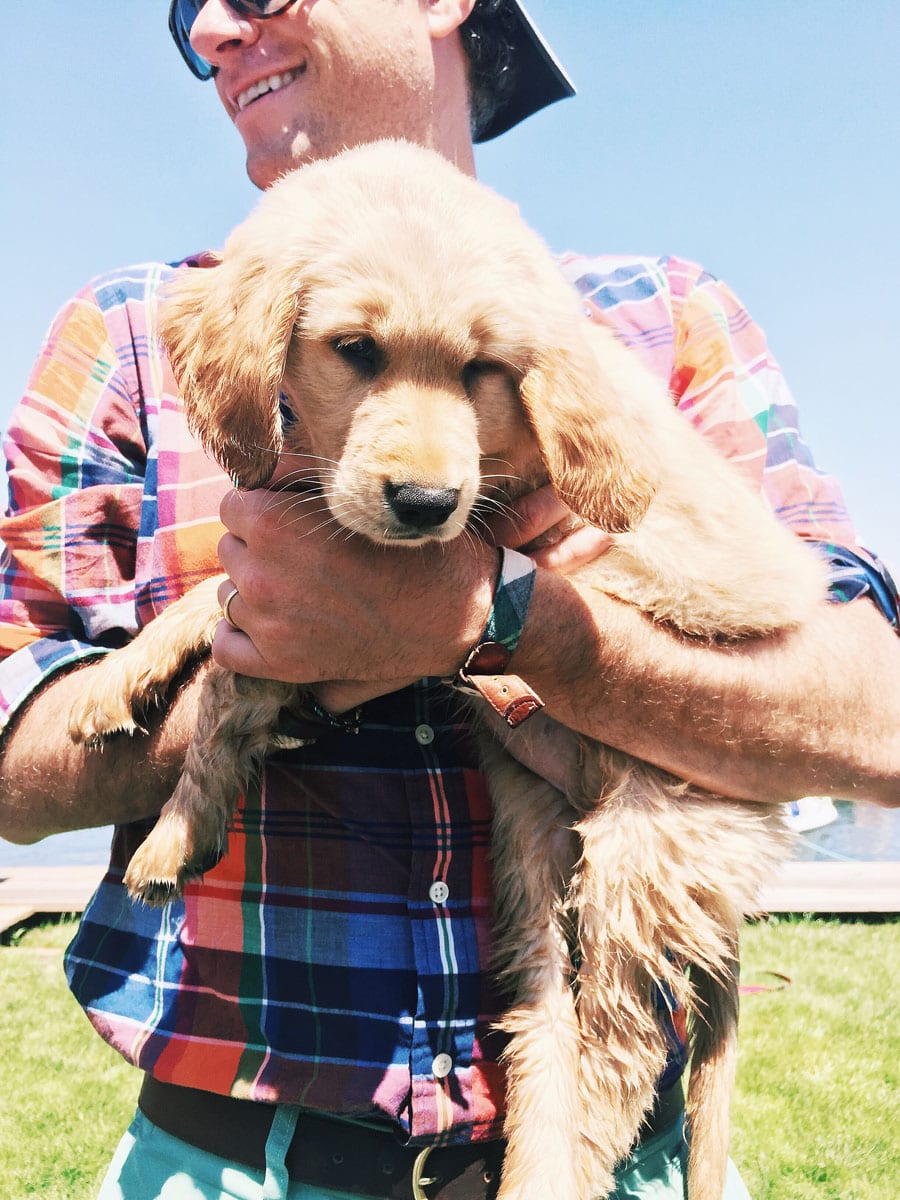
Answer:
(65, 1097)
(815, 1114)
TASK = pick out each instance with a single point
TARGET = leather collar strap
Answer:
(508, 695)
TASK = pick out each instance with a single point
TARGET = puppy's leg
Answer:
(670, 873)
(132, 679)
(237, 715)
(542, 1155)
(623, 1049)
(533, 849)
(713, 1067)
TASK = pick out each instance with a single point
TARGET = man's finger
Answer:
(529, 517)
(233, 650)
(573, 550)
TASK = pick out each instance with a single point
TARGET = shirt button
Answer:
(424, 735)
(438, 892)
(442, 1066)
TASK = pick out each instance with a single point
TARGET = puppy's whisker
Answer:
(317, 458)
(305, 476)
(294, 500)
(474, 529)
(496, 504)
(341, 529)
(290, 509)
(470, 539)
(506, 481)
(285, 498)
(505, 477)
(298, 510)
(329, 521)
(289, 519)
(319, 467)
(487, 508)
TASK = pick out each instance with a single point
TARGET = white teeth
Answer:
(272, 84)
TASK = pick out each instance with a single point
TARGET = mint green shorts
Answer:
(152, 1165)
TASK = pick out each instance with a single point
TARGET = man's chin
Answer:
(263, 171)
(264, 167)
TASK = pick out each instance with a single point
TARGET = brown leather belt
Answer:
(332, 1153)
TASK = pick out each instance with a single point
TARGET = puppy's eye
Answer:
(360, 353)
(473, 372)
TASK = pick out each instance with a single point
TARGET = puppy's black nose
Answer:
(421, 507)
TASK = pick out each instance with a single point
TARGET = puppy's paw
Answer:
(185, 843)
(155, 885)
(152, 892)
(158, 872)
(98, 714)
(126, 682)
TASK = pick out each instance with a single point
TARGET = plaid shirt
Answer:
(338, 955)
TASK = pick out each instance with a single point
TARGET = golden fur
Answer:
(423, 336)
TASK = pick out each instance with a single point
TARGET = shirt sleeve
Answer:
(76, 455)
(727, 382)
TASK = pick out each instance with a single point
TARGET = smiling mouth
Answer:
(274, 83)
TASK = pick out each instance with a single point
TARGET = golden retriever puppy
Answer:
(428, 345)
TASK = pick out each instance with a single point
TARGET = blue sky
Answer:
(758, 138)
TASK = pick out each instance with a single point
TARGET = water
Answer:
(861, 833)
(82, 848)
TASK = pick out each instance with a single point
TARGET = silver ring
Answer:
(226, 606)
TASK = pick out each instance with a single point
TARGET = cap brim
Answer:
(539, 80)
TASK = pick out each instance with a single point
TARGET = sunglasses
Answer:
(183, 14)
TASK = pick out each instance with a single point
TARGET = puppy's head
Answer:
(424, 339)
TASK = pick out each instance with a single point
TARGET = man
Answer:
(333, 963)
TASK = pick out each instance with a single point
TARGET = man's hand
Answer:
(540, 525)
(320, 607)
(315, 604)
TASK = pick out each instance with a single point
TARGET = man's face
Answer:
(323, 75)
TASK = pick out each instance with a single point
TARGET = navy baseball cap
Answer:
(536, 78)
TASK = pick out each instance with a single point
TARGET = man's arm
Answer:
(768, 719)
(77, 449)
(50, 785)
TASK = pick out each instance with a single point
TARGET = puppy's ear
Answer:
(227, 329)
(590, 404)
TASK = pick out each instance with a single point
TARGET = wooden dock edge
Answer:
(835, 887)
(29, 891)
(813, 887)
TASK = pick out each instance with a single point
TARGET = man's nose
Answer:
(219, 27)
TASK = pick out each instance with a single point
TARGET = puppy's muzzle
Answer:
(419, 508)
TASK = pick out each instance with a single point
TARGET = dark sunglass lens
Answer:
(182, 15)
